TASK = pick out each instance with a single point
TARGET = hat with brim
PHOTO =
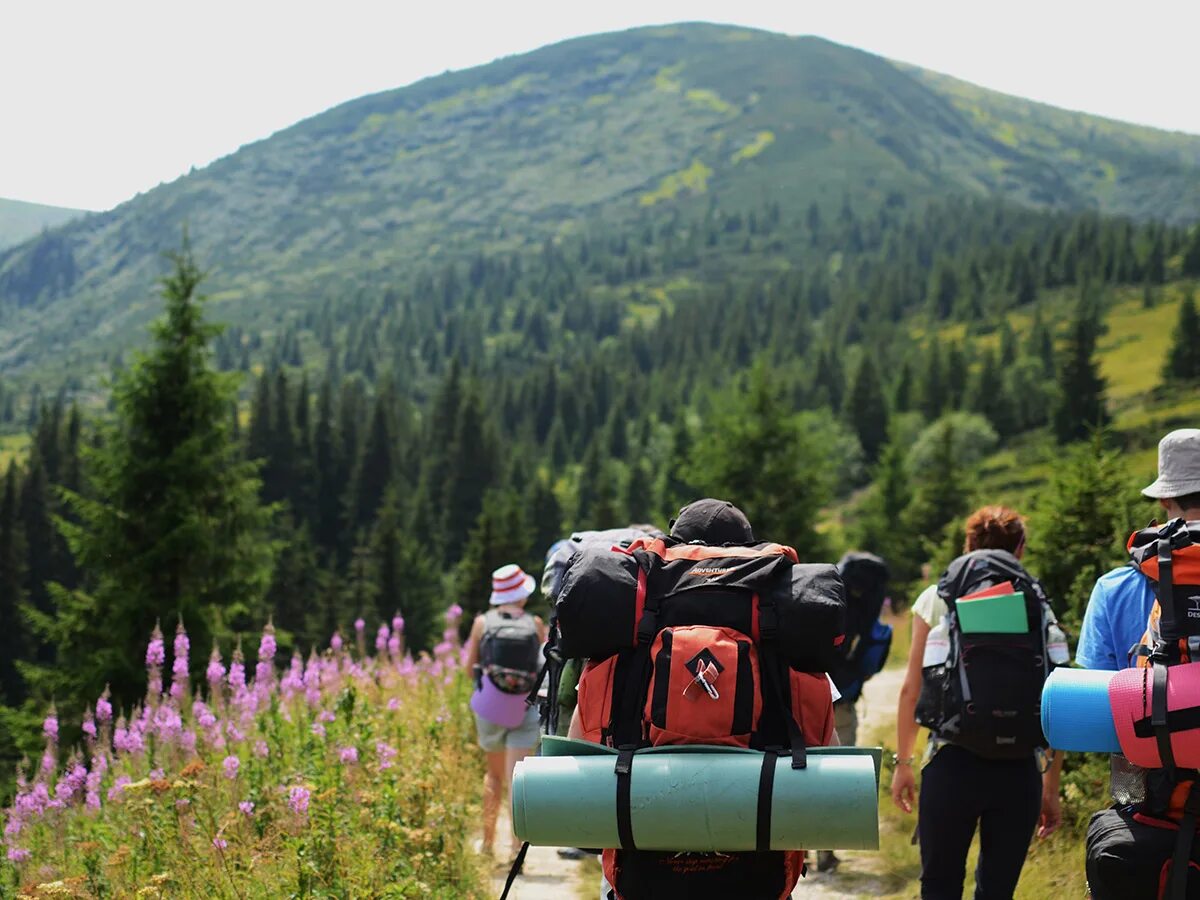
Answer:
(1178, 465)
(510, 584)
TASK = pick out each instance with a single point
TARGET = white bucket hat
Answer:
(510, 584)
(1178, 465)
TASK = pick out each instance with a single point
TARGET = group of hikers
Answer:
(707, 635)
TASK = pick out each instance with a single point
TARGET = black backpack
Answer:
(508, 651)
(987, 695)
(868, 641)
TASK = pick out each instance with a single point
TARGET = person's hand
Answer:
(1051, 818)
(904, 787)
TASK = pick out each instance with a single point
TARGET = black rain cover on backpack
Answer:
(987, 696)
(867, 643)
(508, 651)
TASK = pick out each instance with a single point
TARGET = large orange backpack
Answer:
(701, 656)
(1149, 850)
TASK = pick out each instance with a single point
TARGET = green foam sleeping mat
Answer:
(696, 798)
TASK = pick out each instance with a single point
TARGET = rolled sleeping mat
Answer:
(1131, 697)
(698, 801)
(1076, 714)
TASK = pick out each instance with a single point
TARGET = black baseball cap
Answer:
(713, 522)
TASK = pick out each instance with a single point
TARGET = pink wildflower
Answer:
(104, 710)
(18, 854)
(381, 638)
(230, 765)
(359, 624)
(298, 800)
(398, 623)
(114, 792)
(393, 704)
(247, 807)
(261, 750)
(336, 642)
(318, 729)
(156, 653)
(348, 755)
(386, 754)
(393, 645)
(50, 726)
(215, 673)
(220, 844)
(89, 725)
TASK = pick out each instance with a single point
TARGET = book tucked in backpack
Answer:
(697, 644)
(868, 641)
(1148, 851)
(983, 691)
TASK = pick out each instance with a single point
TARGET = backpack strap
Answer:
(777, 679)
(517, 866)
(1158, 715)
(1177, 884)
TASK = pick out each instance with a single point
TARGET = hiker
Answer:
(866, 648)
(1119, 607)
(1144, 845)
(681, 713)
(503, 652)
(981, 764)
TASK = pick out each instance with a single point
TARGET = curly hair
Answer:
(995, 528)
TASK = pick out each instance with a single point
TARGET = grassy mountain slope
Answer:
(613, 129)
(20, 221)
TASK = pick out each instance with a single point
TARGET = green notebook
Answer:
(1003, 614)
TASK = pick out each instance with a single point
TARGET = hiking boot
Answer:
(571, 853)
(826, 861)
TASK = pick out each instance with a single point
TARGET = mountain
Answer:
(20, 221)
(613, 131)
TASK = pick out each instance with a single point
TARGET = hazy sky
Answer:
(100, 100)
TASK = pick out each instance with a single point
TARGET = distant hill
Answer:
(612, 131)
(20, 221)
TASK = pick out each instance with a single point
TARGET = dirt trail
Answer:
(544, 877)
(858, 875)
(547, 877)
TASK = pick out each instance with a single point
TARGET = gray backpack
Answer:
(508, 651)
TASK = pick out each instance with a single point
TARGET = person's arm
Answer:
(576, 730)
(1051, 817)
(473, 644)
(904, 781)
(541, 628)
(1095, 648)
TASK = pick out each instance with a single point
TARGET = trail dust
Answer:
(860, 875)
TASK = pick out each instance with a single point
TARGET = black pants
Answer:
(960, 790)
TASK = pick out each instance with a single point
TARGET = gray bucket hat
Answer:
(1178, 465)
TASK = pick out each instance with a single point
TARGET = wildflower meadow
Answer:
(349, 774)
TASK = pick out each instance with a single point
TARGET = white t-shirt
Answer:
(930, 606)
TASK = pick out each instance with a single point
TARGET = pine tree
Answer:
(755, 455)
(866, 408)
(297, 585)
(170, 525)
(1183, 359)
(375, 468)
(1081, 404)
(932, 392)
(1080, 523)
(880, 528)
(14, 640)
(326, 521)
(472, 467)
(499, 536)
(1191, 254)
(544, 512)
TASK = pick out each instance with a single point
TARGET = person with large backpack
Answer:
(984, 642)
(703, 637)
(504, 653)
(864, 652)
(1145, 846)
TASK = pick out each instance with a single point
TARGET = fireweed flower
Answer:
(359, 624)
(398, 623)
(219, 843)
(104, 710)
(247, 807)
(114, 792)
(155, 651)
(179, 666)
(89, 725)
(386, 754)
(261, 750)
(335, 642)
(454, 613)
(18, 854)
(393, 645)
(381, 638)
(264, 671)
(318, 729)
(230, 765)
(215, 673)
(298, 800)
(50, 725)
(348, 754)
